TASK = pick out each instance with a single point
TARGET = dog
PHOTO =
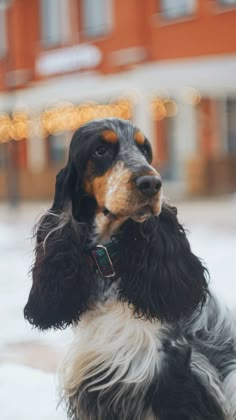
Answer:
(112, 260)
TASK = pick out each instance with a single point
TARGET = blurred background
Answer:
(169, 66)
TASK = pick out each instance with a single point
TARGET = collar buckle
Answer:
(103, 261)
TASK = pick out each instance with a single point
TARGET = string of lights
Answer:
(59, 118)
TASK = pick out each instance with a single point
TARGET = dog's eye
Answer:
(100, 151)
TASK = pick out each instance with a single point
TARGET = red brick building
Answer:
(169, 65)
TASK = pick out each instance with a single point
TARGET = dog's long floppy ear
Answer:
(161, 277)
(62, 278)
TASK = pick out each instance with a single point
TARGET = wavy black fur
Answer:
(62, 281)
(161, 277)
(62, 278)
(178, 393)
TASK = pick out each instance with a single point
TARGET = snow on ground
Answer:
(211, 227)
(28, 394)
(29, 359)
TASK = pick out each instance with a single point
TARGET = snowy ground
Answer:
(29, 359)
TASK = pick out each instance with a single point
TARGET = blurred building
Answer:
(167, 65)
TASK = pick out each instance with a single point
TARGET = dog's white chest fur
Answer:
(113, 349)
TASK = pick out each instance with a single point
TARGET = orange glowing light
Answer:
(63, 117)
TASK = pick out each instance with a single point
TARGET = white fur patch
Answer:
(113, 347)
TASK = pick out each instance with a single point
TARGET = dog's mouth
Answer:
(142, 214)
(139, 215)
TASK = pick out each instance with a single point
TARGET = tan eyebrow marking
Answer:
(139, 137)
(110, 136)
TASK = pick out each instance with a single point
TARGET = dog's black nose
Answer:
(148, 184)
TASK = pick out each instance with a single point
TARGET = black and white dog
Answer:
(151, 342)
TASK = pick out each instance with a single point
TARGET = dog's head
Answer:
(107, 183)
(113, 179)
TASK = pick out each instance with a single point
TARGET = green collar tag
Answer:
(103, 258)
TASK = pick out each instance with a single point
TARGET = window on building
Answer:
(3, 34)
(96, 17)
(227, 2)
(54, 22)
(231, 125)
(57, 148)
(174, 9)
